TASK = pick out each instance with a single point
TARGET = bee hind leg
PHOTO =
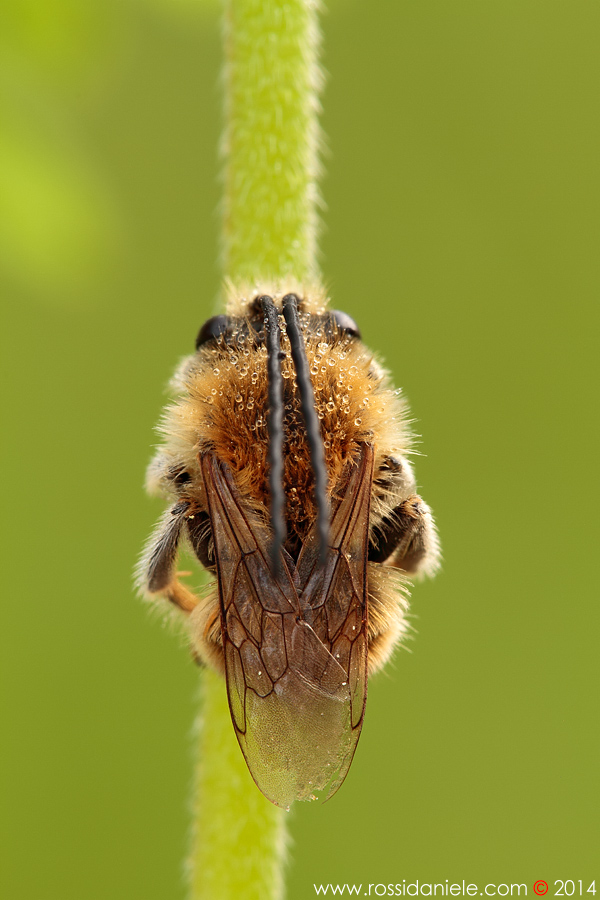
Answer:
(205, 633)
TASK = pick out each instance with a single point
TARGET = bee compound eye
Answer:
(213, 329)
(345, 323)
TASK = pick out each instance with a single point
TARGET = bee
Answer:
(285, 464)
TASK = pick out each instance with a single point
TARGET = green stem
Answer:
(271, 138)
(269, 235)
(239, 836)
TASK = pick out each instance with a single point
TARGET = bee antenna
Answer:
(311, 421)
(275, 428)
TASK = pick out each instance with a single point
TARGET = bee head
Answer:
(332, 324)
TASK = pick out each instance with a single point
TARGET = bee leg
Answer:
(205, 631)
(382, 645)
(388, 605)
(156, 571)
(407, 539)
(179, 595)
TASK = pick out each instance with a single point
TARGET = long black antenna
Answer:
(275, 428)
(311, 421)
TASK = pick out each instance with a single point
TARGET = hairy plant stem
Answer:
(239, 845)
(269, 236)
(272, 81)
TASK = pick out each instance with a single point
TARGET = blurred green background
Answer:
(462, 194)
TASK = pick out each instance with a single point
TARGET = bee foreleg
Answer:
(156, 570)
(407, 539)
(179, 595)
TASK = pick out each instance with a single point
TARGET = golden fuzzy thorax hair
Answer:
(224, 407)
(221, 406)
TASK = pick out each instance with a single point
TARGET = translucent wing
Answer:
(334, 596)
(295, 642)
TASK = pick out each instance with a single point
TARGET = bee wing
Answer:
(290, 698)
(334, 596)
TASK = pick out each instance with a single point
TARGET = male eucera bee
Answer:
(285, 464)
